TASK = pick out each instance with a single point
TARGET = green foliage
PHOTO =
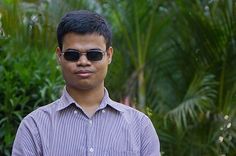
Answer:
(200, 87)
(28, 80)
(138, 27)
(29, 74)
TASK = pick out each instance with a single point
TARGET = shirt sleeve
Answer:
(27, 141)
(150, 144)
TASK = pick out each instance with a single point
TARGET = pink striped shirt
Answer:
(63, 129)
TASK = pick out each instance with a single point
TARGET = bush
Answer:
(29, 78)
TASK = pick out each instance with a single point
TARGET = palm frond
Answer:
(199, 98)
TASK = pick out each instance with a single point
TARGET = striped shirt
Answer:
(63, 129)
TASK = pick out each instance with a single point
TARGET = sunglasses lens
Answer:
(71, 56)
(94, 55)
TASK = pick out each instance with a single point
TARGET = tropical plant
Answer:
(138, 25)
(199, 113)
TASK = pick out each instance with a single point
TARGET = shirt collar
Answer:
(66, 100)
(108, 101)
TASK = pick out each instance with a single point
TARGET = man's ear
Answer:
(58, 55)
(109, 54)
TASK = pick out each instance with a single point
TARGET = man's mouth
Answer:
(84, 73)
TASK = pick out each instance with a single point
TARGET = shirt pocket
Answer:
(121, 153)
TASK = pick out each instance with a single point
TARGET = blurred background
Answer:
(173, 59)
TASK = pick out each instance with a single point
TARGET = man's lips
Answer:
(84, 73)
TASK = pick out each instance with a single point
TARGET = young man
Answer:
(85, 121)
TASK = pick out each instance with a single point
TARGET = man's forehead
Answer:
(84, 42)
(93, 35)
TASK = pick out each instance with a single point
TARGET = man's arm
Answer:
(150, 145)
(27, 141)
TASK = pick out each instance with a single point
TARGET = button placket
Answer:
(89, 136)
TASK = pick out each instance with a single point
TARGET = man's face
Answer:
(84, 74)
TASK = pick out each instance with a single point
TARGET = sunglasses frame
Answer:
(83, 53)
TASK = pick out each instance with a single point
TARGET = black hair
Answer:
(83, 22)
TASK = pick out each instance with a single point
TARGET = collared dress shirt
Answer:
(63, 129)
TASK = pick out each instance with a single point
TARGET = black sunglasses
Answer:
(92, 54)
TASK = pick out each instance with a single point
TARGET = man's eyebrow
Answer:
(95, 49)
(71, 49)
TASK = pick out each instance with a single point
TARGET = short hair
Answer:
(83, 22)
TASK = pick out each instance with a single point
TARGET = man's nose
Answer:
(83, 60)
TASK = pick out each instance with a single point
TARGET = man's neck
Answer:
(89, 99)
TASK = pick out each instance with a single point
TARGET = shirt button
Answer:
(75, 112)
(103, 111)
(90, 121)
(91, 150)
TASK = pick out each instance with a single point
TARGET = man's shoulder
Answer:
(130, 112)
(45, 111)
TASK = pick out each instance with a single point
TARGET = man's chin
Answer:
(81, 86)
